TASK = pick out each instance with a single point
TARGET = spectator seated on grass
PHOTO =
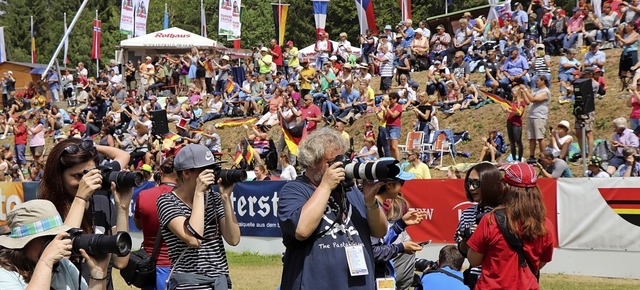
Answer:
(595, 168)
(369, 151)
(560, 140)
(494, 147)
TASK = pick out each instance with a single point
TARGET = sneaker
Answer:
(450, 111)
(3, 137)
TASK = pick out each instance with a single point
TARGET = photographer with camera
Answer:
(326, 222)
(194, 219)
(447, 273)
(35, 255)
(631, 166)
(72, 175)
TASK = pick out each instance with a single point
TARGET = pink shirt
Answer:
(635, 108)
(574, 24)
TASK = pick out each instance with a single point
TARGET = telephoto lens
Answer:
(231, 176)
(98, 245)
(124, 179)
(384, 169)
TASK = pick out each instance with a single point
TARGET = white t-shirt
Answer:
(372, 157)
(288, 173)
(322, 46)
(83, 72)
(215, 107)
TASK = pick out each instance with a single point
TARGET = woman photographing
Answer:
(28, 257)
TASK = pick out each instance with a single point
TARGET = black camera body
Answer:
(99, 245)
(228, 176)
(423, 265)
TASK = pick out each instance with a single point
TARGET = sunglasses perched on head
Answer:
(86, 145)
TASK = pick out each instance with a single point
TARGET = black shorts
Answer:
(385, 83)
(200, 72)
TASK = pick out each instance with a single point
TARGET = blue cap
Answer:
(403, 175)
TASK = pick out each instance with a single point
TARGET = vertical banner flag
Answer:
(499, 11)
(597, 8)
(142, 10)
(126, 17)
(225, 18)
(280, 19)
(320, 15)
(33, 43)
(97, 34)
(236, 22)
(203, 20)
(166, 17)
(3, 49)
(366, 17)
(65, 59)
(405, 7)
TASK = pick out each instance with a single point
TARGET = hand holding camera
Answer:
(58, 248)
(90, 182)
(205, 179)
(333, 176)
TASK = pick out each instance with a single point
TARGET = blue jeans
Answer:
(209, 116)
(320, 62)
(20, 157)
(566, 77)
(329, 108)
(610, 34)
(535, 78)
(570, 40)
(634, 123)
(382, 142)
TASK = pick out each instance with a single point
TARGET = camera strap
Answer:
(342, 205)
(156, 246)
(514, 242)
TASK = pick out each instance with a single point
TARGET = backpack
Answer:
(501, 145)
(602, 149)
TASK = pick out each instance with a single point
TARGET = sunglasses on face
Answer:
(472, 182)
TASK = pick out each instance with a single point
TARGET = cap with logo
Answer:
(519, 175)
(193, 156)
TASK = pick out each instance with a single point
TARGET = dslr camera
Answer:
(228, 176)
(423, 265)
(99, 245)
(123, 179)
(383, 169)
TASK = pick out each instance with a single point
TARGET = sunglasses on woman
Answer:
(86, 145)
(472, 182)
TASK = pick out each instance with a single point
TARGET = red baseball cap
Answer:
(519, 175)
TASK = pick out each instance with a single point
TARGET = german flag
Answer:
(294, 135)
(236, 122)
(244, 153)
(499, 100)
(623, 201)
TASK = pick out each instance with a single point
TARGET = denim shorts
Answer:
(394, 132)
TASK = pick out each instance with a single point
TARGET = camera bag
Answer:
(514, 242)
(141, 269)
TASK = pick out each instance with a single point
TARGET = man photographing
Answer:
(326, 226)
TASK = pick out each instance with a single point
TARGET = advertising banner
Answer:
(141, 13)
(235, 19)
(256, 207)
(227, 9)
(444, 200)
(126, 17)
(599, 213)
(11, 194)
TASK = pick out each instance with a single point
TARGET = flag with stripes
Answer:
(244, 153)
(293, 135)
(97, 35)
(405, 8)
(501, 101)
(280, 19)
(236, 122)
(366, 17)
(33, 43)
(320, 8)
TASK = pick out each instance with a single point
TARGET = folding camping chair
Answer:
(442, 145)
(415, 140)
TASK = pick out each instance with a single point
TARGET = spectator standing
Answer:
(306, 75)
(520, 16)
(386, 68)
(310, 112)
(264, 63)
(54, 86)
(145, 217)
(323, 49)
(522, 205)
(393, 119)
(36, 136)
(20, 140)
(276, 54)
(537, 114)
(344, 48)
(633, 102)
(288, 171)
(622, 138)
(408, 33)
(309, 209)
(419, 169)
(627, 38)
(368, 43)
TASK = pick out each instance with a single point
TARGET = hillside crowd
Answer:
(114, 117)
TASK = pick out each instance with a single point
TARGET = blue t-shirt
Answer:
(349, 98)
(406, 42)
(436, 280)
(320, 262)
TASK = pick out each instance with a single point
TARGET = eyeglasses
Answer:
(86, 145)
(308, 99)
(472, 182)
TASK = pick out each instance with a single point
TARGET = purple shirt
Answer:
(627, 138)
(515, 67)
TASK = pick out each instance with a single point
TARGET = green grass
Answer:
(250, 271)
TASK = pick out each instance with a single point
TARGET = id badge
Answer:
(356, 261)
(385, 284)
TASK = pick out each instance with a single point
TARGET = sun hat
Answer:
(225, 57)
(193, 156)
(539, 46)
(147, 168)
(419, 31)
(564, 123)
(620, 122)
(32, 219)
(264, 49)
(387, 27)
(519, 175)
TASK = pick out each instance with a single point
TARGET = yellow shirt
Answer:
(294, 61)
(265, 63)
(346, 136)
(420, 172)
(307, 73)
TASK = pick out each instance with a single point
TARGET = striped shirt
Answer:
(468, 219)
(541, 66)
(210, 258)
(386, 66)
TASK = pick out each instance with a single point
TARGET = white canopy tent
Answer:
(309, 51)
(170, 39)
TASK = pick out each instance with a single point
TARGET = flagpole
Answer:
(97, 57)
(32, 37)
(202, 20)
(66, 35)
(446, 6)
(66, 43)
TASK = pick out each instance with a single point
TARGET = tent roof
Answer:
(172, 38)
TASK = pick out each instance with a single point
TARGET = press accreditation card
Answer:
(356, 260)
(385, 284)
